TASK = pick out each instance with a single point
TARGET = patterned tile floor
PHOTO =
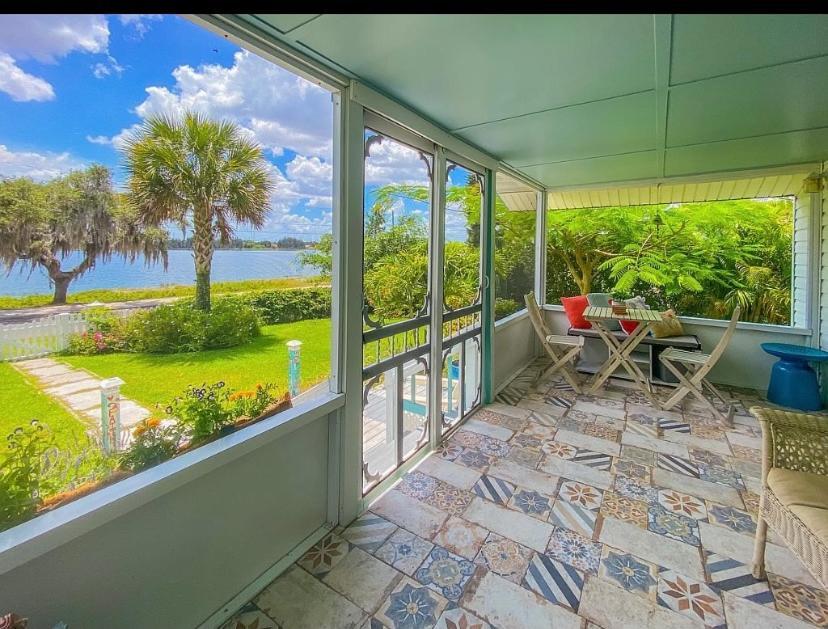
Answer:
(558, 510)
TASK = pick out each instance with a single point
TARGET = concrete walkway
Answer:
(79, 390)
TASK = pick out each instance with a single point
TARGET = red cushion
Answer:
(574, 308)
(629, 326)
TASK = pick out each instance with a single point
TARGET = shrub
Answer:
(203, 410)
(153, 441)
(88, 343)
(21, 472)
(231, 322)
(505, 307)
(291, 304)
(178, 327)
(253, 403)
(105, 333)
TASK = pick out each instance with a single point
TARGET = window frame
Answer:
(47, 531)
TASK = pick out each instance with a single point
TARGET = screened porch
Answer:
(443, 477)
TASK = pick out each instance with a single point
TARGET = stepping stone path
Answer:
(78, 390)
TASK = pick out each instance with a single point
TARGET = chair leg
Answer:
(759, 549)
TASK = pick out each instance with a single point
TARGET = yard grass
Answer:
(173, 290)
(21, 401)
(157, 378)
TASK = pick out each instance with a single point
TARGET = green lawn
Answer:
(157, 378)
(130, 294)
(21, 401)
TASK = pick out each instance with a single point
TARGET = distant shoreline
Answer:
(248, 248)
(110, 295)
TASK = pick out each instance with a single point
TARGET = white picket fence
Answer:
(44, 336)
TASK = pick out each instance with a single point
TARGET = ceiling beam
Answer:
(663, 43)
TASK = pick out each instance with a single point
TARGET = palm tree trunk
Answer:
(203, 256)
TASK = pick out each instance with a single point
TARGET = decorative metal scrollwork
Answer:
(370, 141)
(366, 318)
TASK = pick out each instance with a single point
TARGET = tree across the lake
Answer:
(42, 223)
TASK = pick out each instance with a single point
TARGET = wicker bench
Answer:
(794, 500)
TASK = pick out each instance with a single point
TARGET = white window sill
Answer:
(720, 323)
(38, 536)
(513, 318)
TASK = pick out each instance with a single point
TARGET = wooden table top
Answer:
(632, 314)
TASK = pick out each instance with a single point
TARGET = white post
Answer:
(111, 414)
(63, 321)
(294, 366)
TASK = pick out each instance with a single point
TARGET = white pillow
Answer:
(637, 303)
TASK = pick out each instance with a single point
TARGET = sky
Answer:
(73, 87)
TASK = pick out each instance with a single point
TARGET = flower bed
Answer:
(36, 476)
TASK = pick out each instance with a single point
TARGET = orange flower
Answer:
(153, 422)
(139, 430)
(242, 395)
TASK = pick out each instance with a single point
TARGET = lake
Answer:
(228, 265)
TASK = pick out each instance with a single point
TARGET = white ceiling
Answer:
(575, 100)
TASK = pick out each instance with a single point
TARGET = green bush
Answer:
(177, 328)
(505, 307)
(21, 473)
(290, 304)
(203, 410)
(231, 322)
(153, 442)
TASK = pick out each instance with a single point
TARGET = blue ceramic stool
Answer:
(793, 383)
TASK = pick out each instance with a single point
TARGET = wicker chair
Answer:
(794, 500)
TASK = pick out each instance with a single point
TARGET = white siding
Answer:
(803, 222)
(822, 331)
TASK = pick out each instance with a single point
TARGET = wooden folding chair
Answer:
(552, 341)
(692, 379)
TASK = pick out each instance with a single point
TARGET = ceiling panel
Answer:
(285, 22)
(679, 191)
(772, 100)
(599, 170)
(461, 70)
(796, 147)
(620, 125)
(710, 45)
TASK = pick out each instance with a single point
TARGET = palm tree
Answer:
(201, 169)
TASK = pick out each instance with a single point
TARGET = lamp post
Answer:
(294, 366)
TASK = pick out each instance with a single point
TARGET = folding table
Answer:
(620, 351)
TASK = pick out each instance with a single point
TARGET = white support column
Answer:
(438, 239)
(540, 248)
(348, 214)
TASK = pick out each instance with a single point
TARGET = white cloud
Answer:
(98, 139)
(101, 70)
(47, 37)
(392, 162)
(280, 110)
(20, 85)
(274, 107)
(313, 180)
(37, 166)
(140, 22)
